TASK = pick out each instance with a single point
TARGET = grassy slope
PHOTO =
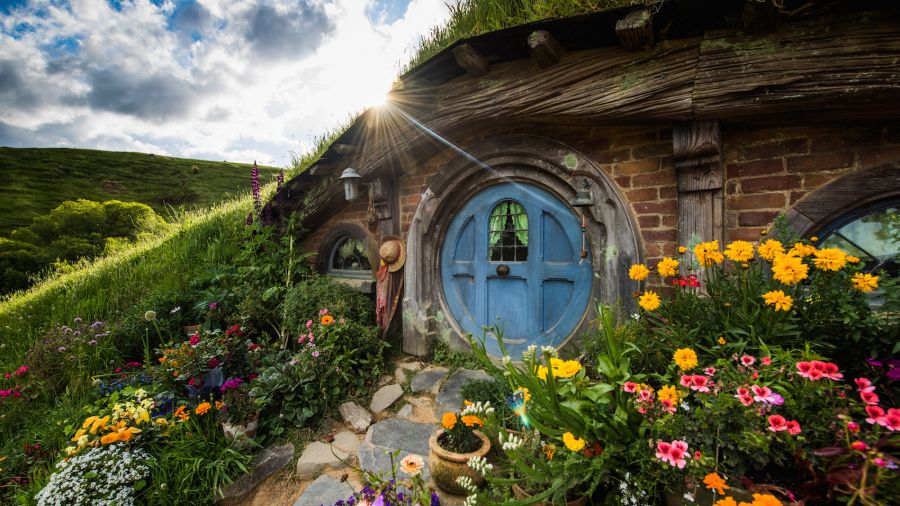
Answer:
(36, 180)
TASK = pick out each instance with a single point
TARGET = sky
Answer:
(210, 79)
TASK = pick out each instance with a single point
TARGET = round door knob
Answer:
(502, 270)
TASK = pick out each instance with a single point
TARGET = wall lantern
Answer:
(583, 200)
(351, 180)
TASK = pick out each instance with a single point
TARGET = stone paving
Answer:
(406, 429)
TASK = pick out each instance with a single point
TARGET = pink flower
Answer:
(697, 455)
(793, 427)
(765, 394)
(118, 369)
(709, 371)
(308, 324)
(686, 380)
(645, 396)
(876, 415)
(777, 423)
(699, 383)
(869, 397)
(21, 370)
(668, 405)
(892, 419)
(864, 385)
(323, 311)
(629, 387)
(804, 368)
(746, 400)
(301, 339)
(662, 450)
(315, 354)
(859, 446)
(673, 452)
(853, 427)
(830, 371)
(747, 360)
(767, 361)
(195, 340)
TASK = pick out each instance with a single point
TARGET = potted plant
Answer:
(455, 443)
(240, 415)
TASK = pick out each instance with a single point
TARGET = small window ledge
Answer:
(363, 285)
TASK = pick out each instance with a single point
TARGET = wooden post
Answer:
(635, 30)
(545, 49)
(471, 60)
(698, 163)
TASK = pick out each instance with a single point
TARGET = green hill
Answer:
(36, 180)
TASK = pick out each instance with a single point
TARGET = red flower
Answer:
(876, 415)
(252, 346)
(864, 385)
(869, 397)
(195, 340)
(686, 380)
(692, 281)
(699, 383)
(629, 387)
(793, 427)
(233, 329)
(668, 405)
(697, 455)
(853, 427)
(709, 371)
(859, 446)
(892, 419)
(213, 363)
(777, 423)
(747, 360)
(252, 376)
(767, 360)
(830, 371)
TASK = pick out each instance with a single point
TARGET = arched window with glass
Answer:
(871, 233)
(508, 233)
(349, 257)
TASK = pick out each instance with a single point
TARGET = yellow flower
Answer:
(412, 464)
(770, 249)
(573, 443)
(739, 251)
(852, 259)
(327, 319)
(472, 420)
(707, 253)
(89, 421)
(667, 267)
(202, 408)
(162, 422)
(649, 301)
(814, 239)
(566, 369)
(789, 269)
(864, 282)
(638, 272)
(682, 250)
(830, 259)
(715, 482)
(802, 250)
(526, 395)
(685, 358)
(448, 421)
(765, 500)
(727, 501)
(78, 434)
(778, 299)
(542, 372)
(722, 340)
(98, 424)
(669, 393)
(549, 451)
(112, 437)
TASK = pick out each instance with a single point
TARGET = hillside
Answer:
(36, 180)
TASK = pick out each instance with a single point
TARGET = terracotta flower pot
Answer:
(520, 493)
(246, 431)
(447, 466)
(191, 329)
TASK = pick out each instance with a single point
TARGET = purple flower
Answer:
(435, 500)
(776, 399)
(315, 354)
(249, 219)
(92, 342)
(254, 185)
(77, 320)
(76, 333)
(97, 324)
(61, 349)
(231, 384)
(280, 180)
(893, 374)
(379, 501)
(874, 363)
(213, 305)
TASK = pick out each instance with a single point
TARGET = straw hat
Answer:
(392, 252)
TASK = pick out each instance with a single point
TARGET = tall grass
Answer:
(474, 17)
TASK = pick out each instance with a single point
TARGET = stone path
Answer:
(430, 392)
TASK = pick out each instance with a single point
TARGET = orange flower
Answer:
(448, 421)
(219, 404)
(181, 414)
(162, 360)
(112, 437)
(715, 482)
(472, 420)
(727, 501)
(327, 320)
(202, 408)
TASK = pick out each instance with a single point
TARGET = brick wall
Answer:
(769, 170)
(354, 212)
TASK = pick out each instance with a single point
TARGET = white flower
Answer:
(513, 442)
(529, 353)
(150, 315)
(506, 359)
(549, 350)
(471, 500)
(481, 465)
(636, 316)
(177, 309)
(466, 483)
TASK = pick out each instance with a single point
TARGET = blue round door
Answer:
(511, 259)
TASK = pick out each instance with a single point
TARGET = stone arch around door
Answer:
(539, 161)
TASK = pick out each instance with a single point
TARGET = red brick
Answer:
(670, 220)
(795, 196)
(652, 250)
(814, 163)
(619, 155)
(642, 194)
(844, 140)
(660, 207)
(637, 167)
(775, 149)
(761, 201)
(649, 221)
(813, 181)
(756, 218)
(410, 199)
(755, 168)
(651, 150)
(634, 138)
(745, 234)
(731, 187)
(624, 181)
(659, 235)
(668, 249)
(769, 183)
(879, 156)
(668, 192)
(665, 177)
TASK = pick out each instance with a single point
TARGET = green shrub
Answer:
(129, 336)
(67, 357)
(304, 301)
(498, 393)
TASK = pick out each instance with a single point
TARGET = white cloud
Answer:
(216, 79)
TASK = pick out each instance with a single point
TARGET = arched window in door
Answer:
(508, 233)
(871, 233)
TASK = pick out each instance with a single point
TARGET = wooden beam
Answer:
(759, 17)
(546, 51)
(323, 169)
(471, 60)
(635, 30)
(344, 149)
